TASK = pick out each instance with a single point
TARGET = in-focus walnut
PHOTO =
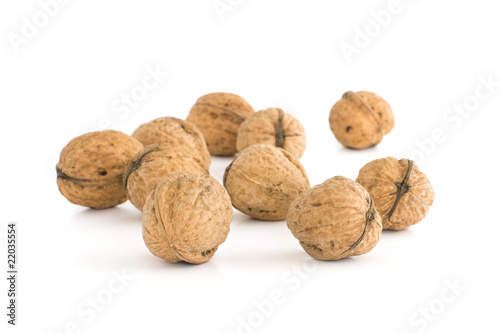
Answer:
(335, 220)
(155, 162)
(273, 127)
(361, 119)
(186, 218)
(401, 192)
(263, 180)
(218, 116)
(176, 132)
(91, 166)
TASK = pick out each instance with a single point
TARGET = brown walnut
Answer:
(335, 220)
(401, 192)
(360, 120)
(176, 132)
(263, 180)
(90, 168)
(155, 162)
(273, 127)
(186, 218)
(218, 116)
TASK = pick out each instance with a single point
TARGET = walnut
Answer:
(361, 119)
(186, 218)
(155, 162)
(176, 132)
(263, 180)
(273, 127)
(218, 116)
(402, 194)
(335, 220)
(91, 166)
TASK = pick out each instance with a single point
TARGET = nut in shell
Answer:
(263, 180)
(186, 218)
(90, 168)
(335, 220)
(401, 192)
(360, 120)
(155, 162)
(176, 132)
(218, 116)
(273, 127)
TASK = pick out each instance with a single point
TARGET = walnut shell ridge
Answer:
(218, 116)
(176, 132)
(155, 162)
(90, 168)
(401, 192)
(263, 181)
(360, 120)
(274, 127)
(335, 220)
(186, 218)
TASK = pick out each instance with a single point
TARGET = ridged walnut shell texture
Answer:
(218, 116)
(360, 120)
(186, 218)
(90, 168)
(155, 162)
(401, 192)
(273, 127)
(263, 181)
(335, 220)
(176, 132)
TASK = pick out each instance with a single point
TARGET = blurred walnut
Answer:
(402, 194)
(361, 119)
(263, 180)
(176, 132)
(273, 127)
(335, 220)
(186, 218)
(91, 166)
(155, 162)
(218, 116)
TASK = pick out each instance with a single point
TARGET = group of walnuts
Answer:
(163, 169)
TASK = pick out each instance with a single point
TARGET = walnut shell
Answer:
(155, 162)
(273, 127)
(90, 168)
(186, 218)
(218, 116)
(335, 220)
(402, 194)
(263, 180)
(361, 119)
(176, 132)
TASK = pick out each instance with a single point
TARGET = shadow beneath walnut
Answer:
(407, 233)
(245, 219)
(218, 166)
(121, 214)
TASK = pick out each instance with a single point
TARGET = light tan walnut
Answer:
(263, 180)
(155, 162)
(360, 120)
(176, 132)
(218, 116)
(401, 192)
(335, 220)
(273, 127)
(186, 218)
(90, 168)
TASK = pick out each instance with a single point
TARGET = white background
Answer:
(65, 79)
